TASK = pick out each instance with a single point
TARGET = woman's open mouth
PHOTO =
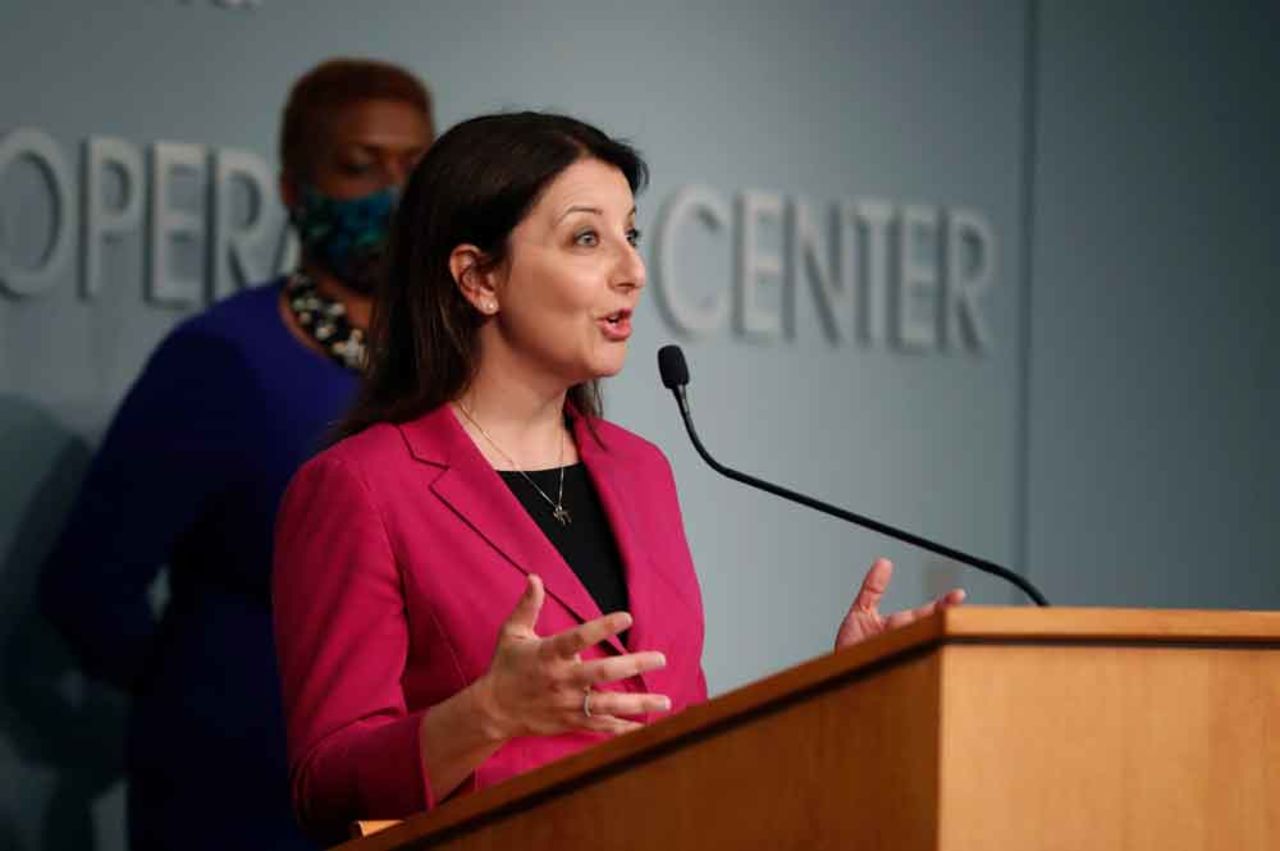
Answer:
(617, 325)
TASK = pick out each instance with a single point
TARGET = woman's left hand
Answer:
(864, 619)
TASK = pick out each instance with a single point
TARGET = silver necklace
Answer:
(558, 511)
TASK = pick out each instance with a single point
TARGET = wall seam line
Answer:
(1026, 273)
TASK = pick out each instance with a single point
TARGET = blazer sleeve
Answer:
(342, 639)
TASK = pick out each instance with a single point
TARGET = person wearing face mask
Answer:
(485, 575)
(191, 470)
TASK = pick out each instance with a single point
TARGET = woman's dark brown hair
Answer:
(473, 186)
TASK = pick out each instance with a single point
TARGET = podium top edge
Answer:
(1107, 624)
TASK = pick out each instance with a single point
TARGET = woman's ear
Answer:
(475, 281)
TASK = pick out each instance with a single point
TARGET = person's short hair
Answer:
(318, 95)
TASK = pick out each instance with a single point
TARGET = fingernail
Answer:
(662, 660)
(665, 704)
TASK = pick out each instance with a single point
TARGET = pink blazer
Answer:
(399, 553)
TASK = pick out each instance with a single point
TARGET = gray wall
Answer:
(1113, 434)
(1155, 321)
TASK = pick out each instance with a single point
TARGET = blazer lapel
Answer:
(477, 494)
(620, 508)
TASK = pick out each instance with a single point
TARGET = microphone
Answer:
(675, 376)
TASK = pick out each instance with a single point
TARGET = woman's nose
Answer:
(630, 272)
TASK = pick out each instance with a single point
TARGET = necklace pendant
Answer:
(562, 514)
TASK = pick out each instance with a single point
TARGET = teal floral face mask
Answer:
(347, 236)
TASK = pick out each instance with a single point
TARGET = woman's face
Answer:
(573, 276)
(370, 145)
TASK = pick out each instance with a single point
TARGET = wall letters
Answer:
(909, 276)
(230, 252)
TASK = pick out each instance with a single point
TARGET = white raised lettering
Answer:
(100, 223)
(170, 224)
(869, 219)
(829, 270)
(40, 148)
(916, 303)
(234, 244)
(685, 317)
(971, 262)
(755, 266)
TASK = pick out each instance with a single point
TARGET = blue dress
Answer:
(189, 476)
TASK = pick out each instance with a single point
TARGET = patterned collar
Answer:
(325, 320)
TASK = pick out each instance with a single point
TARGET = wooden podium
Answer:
(977, 728)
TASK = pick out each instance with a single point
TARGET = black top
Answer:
(587, 542)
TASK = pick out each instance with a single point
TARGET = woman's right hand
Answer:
(536, 685)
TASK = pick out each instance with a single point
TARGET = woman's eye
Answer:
(586, 238)
(356, 169)
(633, 236)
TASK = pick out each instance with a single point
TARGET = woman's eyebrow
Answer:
(582, 208)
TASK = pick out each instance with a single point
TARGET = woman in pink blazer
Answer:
(484, 575)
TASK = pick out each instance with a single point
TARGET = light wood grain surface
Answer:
(939, 735)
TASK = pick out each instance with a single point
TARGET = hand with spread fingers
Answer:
(864, 619)
(540, 686)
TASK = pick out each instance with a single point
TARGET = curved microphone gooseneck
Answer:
(675, 375)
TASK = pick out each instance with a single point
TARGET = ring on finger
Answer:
(586, 702)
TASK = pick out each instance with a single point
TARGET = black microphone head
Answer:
(672, 368)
